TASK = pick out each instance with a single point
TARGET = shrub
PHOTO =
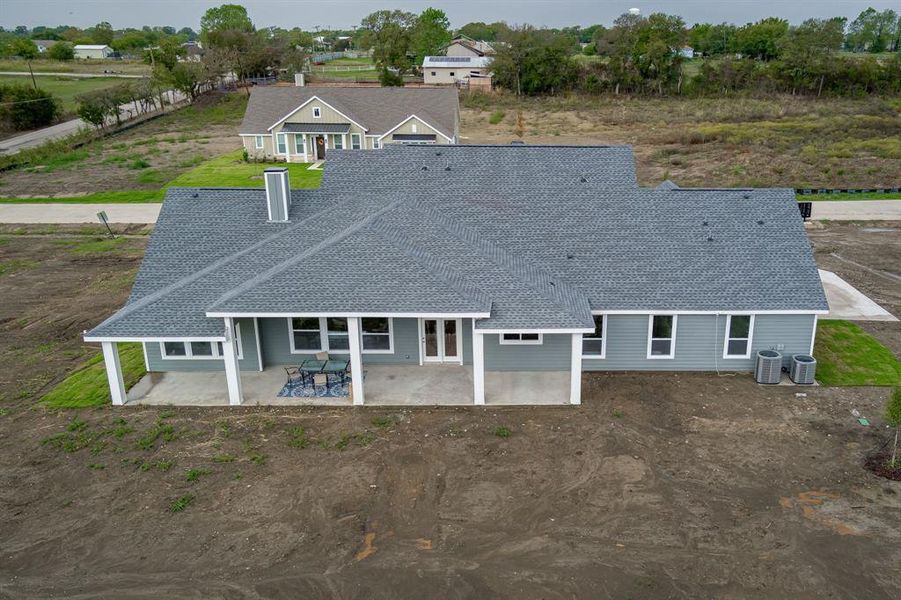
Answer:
(496, 117)
(24, 107)
(502, 431)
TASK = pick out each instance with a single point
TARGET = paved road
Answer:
(861, 210)
(857, 210)
(78, 213)
(73, 75)
(60, 130)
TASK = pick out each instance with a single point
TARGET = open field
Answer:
(121, 67)
(781, 141)
(64, 88)
(659, 485)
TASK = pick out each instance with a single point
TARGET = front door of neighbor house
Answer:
(320, 147)
(441, 340)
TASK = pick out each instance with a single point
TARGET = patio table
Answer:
(312, 366)
(338, 367)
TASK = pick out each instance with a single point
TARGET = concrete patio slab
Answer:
(847, 302)
(385, 385)
(856, 210)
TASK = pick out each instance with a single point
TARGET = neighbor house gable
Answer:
(406, 121)
(313, 100)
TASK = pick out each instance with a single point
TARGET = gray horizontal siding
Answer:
(250, 361)
(277, 347)
(552, 355)
(699, 343)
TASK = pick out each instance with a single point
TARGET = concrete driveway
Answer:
(79, 213)
(847, 302)
(857, 210)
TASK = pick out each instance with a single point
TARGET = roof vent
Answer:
(760, 222)
(195, 195)
(517, 143)
(447, 168)
(704, 224)
(278, 193)
(569, 257)
(437, 154)
(746, 196)
(583, 180)
(425, 168)
(709, 238)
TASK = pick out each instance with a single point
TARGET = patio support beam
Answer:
(575, 377)
(354, 337)
(114, 372)
(230, 358)
(478, 366)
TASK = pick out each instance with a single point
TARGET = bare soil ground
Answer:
(141, 158)
(659, 486)
(777, 141)
(868, 256)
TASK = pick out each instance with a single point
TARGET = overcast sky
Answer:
(344, 13)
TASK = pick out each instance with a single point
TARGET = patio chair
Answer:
(322, 356)
(320, 379)
(294, 374)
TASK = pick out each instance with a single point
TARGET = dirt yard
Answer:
(718, 142)
(141, 158)
(658, 486)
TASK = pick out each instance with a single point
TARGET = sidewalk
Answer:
(78, 213)
(857, 210)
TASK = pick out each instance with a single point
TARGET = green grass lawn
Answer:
(847, 355)
(230, 170)
(88, 385)
(863, 196)
(46, 65)
(64, 88)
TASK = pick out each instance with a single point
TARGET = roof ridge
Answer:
(322, 245)
(215, 265)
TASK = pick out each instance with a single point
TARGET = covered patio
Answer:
(386, 385)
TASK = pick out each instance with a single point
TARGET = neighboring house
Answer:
(92, 51)
(464, 274)
(687, 52)
(444, 70)
(465, 46)
(193, 52)
(304, 124)
(44, 45)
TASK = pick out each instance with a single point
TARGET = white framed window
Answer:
(317, 112)
(300, 144)
(377, 334)
(308, 335)
(413, 127)
(337, 141)
(281, 140)
(198, 349)
(305, 335)
(594, 345)
(355, 141)
(662, 336)
(376, 144)
(513, 338)
(433, 73)
(258, 142)
(338, 339)
(739, 331)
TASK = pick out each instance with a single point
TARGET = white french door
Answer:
(441, 340)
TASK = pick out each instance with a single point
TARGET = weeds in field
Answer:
(96, 466)
(618, 414)
(361, 440)
(258, 458)
(496, 117)
(223, 458)
(158, 431)
(76, 425)
(182, 503)
(8, 267)
(383, 422)
(502, 431)
(195, 474)
(297, 437)
(166, 413)
(138, 163)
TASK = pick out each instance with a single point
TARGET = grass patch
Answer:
(129, 197)
(64, 88)
(195, 474)
(502, 431)
(383, 422)
(14, 265)
(230, 170)
(496, 117)
(88, 385)
(297, 437)
(161, 430)
(138, 163)
(182, 503)
(847, 355)
(223, 458)
(860, 196)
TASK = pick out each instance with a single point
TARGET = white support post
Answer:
(114, 372)
(303, 137)
(575, 376)
(230, 358)
(355, 339)
(478, 366)
(287, 149)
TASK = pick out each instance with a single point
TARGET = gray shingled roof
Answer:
(538, 246)
(377, 109)
(316, 127)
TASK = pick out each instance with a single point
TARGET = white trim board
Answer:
(709, 312)
(154, 339)
(672, 338)
(401, 315)
(750, 337)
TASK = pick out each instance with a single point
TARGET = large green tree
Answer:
(809, 51)
(228, 17)
(26, 50)
(874, 31)
(530, 61)
(387, 33)
(762, 39)
(431, 33)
